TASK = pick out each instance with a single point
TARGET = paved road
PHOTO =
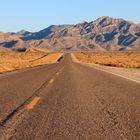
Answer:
(68, 101)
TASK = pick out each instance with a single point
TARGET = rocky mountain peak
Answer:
(105, 33)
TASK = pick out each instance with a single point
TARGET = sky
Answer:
(35, 15)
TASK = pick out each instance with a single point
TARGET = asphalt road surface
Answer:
(68, 101)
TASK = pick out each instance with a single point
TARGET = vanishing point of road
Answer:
(68, 101)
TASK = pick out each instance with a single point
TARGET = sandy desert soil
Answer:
(10, 61)
(126, 64)
(115, 59)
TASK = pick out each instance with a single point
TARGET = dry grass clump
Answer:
(115, 59)
(10, 61)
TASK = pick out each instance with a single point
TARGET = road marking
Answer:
(57, 73)
(51, 81)
(90, 65)
(33, 103)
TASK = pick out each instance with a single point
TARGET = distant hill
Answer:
(103, 34)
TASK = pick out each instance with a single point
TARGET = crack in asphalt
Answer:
(111, 115)
(35, 94)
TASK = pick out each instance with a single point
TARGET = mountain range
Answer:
(103, 34)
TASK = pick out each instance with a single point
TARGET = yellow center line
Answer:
(57, 73)
(51, 81)
(33, 103)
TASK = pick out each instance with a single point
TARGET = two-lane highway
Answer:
(68, 101)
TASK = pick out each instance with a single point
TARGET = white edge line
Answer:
(92, 66)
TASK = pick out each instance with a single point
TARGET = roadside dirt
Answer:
(128, 73)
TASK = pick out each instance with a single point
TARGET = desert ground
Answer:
(114, 59)
(123, 64)
(10, 61)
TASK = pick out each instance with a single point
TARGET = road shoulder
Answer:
(127, 73)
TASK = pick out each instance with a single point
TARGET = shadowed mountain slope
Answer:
(103, 34)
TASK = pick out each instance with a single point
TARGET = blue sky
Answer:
(34, 15)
